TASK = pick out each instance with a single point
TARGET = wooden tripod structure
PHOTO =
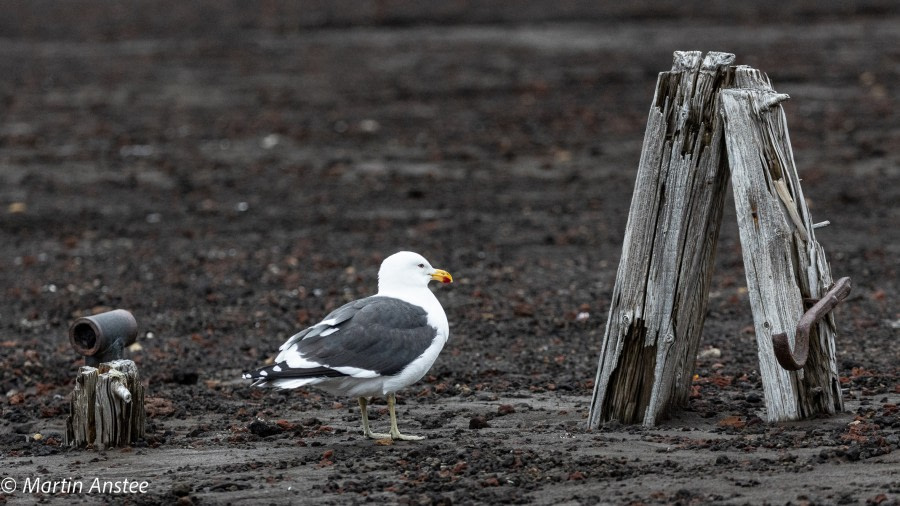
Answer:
(709, 120)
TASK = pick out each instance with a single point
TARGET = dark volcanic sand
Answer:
(230, 173)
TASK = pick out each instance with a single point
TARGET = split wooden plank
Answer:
(784, 263)
(80, 426)
(662, 284)
(107, 407)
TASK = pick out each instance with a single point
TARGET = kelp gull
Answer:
(371, 346)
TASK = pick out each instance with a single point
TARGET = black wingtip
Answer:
(266, 376)
(258, 381)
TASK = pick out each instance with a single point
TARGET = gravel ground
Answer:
(231, 172)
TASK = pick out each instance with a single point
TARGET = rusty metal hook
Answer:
(796, 359)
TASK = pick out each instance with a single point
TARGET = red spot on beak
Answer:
(442, 276)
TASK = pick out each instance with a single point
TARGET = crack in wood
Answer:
(704, 114)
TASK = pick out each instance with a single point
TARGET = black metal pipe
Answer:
(103, 337)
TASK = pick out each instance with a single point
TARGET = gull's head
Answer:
(407, 269)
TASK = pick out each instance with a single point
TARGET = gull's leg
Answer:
(395, 432)
(365, 422)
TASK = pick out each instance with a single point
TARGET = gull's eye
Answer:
(421, 266)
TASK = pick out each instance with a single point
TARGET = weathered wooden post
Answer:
(783, 262)
(659, 299)
(107, 405)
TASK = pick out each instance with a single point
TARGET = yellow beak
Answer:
(442, 276)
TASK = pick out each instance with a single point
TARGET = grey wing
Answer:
(329, 324)
(382, 335)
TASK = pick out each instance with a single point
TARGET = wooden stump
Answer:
(783, 262)
(107, 407)
(662, 284)
(80, 427)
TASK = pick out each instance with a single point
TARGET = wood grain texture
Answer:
(107, 406)
(80, 426)
(784, 263)
(659, 299)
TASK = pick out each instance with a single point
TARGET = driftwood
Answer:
(783, 262)
(660, 296)
(107, 406)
